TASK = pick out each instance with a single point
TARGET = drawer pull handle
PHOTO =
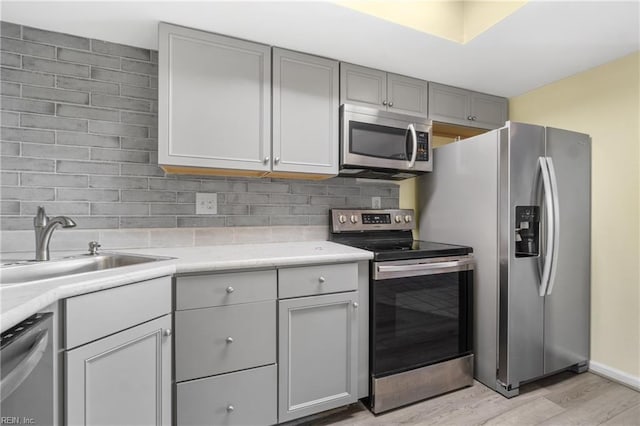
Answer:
(230, 289)
(355, 304)
(230, 408)
(229, 339)
(167, 332)
(322, 280)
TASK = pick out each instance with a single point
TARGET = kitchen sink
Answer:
(31, 270)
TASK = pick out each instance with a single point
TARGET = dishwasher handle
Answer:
(20, 372)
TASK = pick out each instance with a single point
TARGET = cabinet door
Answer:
(305, 113)
(407, 95)
(214, 101)
(122, 379)
(317, 354)
(487, 111)
(363, 86)
(449, 104)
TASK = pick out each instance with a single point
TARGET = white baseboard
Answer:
(615, 375)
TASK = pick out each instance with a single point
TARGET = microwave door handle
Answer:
(414, 138)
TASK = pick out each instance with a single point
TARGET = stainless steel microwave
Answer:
(383, 145)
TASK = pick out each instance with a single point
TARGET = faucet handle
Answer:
(41, 218)
(93, 247)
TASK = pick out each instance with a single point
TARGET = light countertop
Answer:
(17, 302)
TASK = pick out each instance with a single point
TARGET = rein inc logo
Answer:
(14, 420)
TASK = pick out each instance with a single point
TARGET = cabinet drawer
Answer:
(241, 398)
(203, 291)
(94, 315)
(225, 338)
(321, 279)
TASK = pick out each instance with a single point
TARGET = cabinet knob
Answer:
(266, 160)
(355, 304)
(167, 332)
(230, 290)
(384, 103)
(276, 160)
(321, 280)
(230, 408)
(229, 339)
(390, 104)
(473, 118)
(469, 117)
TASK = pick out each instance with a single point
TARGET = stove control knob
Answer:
(354, 218)
(407, 218)
(398, 219)
(342, 218)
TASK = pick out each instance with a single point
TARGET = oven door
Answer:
(383, 140)
(421, 313)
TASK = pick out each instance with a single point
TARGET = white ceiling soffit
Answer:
(541, 42)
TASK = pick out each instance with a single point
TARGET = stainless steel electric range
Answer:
(421, 301)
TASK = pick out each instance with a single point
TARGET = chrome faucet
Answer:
(44, 229)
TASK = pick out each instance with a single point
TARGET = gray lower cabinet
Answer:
(118, 355)
(225, 348)
(122, 379)
(318, 353)
(381, 90)
(245, 397)
(454, 105)
(305, 114)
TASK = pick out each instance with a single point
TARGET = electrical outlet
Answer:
(375, 202)
(206, 203)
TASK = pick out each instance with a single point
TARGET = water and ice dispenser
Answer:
(527, 232)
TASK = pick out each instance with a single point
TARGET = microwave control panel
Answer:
(423, 146)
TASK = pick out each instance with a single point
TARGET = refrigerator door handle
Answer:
(556, 225)
(548, 202)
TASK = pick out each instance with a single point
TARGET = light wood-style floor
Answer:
(563, 399)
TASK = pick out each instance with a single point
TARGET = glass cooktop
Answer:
(409, 249)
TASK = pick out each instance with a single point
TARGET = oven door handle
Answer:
(423, 268)
(19, 374)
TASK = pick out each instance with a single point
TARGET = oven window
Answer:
(378, 141)
(420, 320)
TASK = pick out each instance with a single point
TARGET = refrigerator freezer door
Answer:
(567, 307)
(521, 309)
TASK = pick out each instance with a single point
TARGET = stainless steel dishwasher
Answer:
(26, 372)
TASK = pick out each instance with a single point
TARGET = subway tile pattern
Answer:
(79, 136)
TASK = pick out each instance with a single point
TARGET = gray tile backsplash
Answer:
(79, 129)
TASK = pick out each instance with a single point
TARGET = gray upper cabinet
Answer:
(453, 105)
(318, 355)
(305, 114)
(214, 102)
(122, 379)
(407, 95)
(363, 86)
(381, 90)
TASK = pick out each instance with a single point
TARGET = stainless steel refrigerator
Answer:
(521, 197)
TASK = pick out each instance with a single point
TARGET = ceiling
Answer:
(541, 42)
